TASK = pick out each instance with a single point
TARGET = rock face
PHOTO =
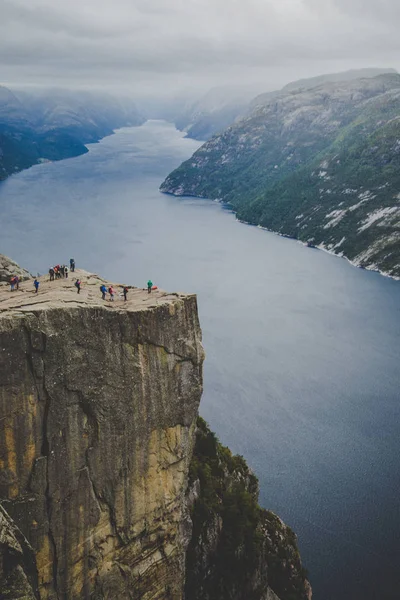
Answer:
(9, 268)
(98, 406)
(238, 551)
(18, 575)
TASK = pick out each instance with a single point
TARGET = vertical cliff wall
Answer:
(98, 403)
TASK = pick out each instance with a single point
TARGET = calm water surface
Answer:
(302, 374)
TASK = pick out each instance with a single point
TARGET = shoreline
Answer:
(320, 246)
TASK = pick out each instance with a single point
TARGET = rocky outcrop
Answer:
(98, 404)
(111, 487)
(18, 575)
(238, 551)
(9, 268)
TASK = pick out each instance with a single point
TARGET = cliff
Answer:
(320, 164)
(98, 403)
(238, 551)
(111, 487)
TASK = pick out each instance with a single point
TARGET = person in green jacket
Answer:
(149, 285)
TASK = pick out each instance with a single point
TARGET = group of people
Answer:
(14, 283)
(111, 291)
(61, 271)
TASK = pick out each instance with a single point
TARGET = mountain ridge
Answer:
(55, 124)
(301, 156)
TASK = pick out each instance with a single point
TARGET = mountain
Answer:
(55, 124)
(223, 105)
(319, 164)
(215, 111)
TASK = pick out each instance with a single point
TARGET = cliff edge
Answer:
(98, 407)
(111, 486)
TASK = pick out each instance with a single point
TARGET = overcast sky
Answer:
(166, 45)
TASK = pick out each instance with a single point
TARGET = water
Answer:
(302, 374)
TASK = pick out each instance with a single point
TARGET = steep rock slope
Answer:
(319, 164)
(18, 574)
(238, 551)
(98, 405)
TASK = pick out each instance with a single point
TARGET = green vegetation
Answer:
(21, 147)
(320, 165)
(54, 125)
(237, 549)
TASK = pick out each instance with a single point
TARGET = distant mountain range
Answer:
(55, 124)
(223, 105)
(318, 161)
(215, 111)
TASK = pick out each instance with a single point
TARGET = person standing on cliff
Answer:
(111, 291)
(66, 271)
(78, 284)
(72, 265)
(125, 292)
(36, 284)
(103, 290)
(149, 286)
(51, 273)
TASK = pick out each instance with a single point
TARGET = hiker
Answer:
(66, 271)
(51, 273)
(103, 290)
(72, 265)
(62, 270)
(111, 291)
(78, 285)
(36, 284)
(125, 292)
(16, 282)
(149, 285)
(12, 284)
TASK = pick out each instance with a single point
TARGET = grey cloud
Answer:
(128, 43)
